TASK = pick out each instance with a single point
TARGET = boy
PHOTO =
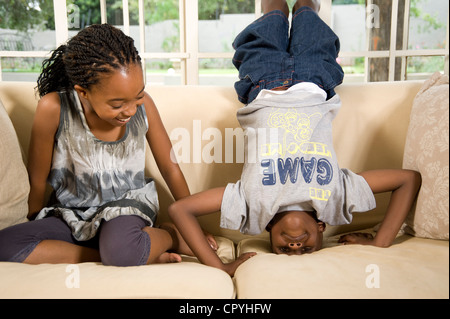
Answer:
(295, 185)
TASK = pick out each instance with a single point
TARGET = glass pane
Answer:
(163, 71)
(349, 23)
(114, 12)
(428, 24)
(28, 14)
(162, 31)
(220, 21)
(81, 13)
(354, 69)
(21, 69)
(420, 68)
(27, 26)
(219, 72)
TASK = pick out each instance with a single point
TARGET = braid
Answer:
(53, 68)
(100, 48)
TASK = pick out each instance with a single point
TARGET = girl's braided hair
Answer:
(99, 48)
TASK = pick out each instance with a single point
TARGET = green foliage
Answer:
(89, 11)
(25, 14)
(349, 2)
(154, 10)
(212, 9)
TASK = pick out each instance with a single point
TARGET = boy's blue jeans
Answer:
(268, 58)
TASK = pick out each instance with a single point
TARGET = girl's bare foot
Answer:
(271, 5)
(166, 258)
(313, 4)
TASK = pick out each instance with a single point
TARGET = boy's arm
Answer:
(184, 215)
(404, 185)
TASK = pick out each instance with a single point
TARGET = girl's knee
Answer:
(123, 242)
(124, 255)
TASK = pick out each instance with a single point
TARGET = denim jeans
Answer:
(267, 58)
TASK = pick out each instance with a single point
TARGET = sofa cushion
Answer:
(186, 280)
(427, 151)
(14, 186)
(411, 268)
(92, 280)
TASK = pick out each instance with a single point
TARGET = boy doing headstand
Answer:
(295, 186)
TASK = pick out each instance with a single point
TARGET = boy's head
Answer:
(295, 233)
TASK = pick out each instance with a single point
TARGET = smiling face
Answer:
(295, 233)
(116, 97)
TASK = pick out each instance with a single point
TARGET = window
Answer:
(391, 40)
(189, 42)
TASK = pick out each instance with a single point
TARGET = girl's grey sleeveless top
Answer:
(96, 180)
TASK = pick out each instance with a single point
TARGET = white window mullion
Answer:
(258, 9)
(126, 17)
(325, 12)
(61, 24)
(141, 27)
(369, 3)
(405, 38)
(182, 22)
(393, 44)
(103, 15)
(192, 64)
(142, 36)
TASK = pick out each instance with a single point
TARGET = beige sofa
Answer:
(370, 132)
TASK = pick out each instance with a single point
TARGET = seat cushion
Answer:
(411, 268)
(188, 279)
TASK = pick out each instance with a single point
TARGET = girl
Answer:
(88, 141)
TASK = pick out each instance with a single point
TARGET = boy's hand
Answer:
(356, 238)
(230, 268)
(211, 240)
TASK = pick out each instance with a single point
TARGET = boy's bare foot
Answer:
(179, 245)
(271, 5)
(313, 4)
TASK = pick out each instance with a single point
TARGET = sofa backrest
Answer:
(369, 133)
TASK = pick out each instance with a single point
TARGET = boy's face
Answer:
(295, 233)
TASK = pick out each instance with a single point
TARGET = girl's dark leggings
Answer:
(121, 241)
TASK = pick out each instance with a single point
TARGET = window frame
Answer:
(190, 55)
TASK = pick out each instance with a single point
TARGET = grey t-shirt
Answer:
(291, 164)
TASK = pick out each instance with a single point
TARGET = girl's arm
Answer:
(405, 185)
(45, 126)
(184, 214)
(161, 147)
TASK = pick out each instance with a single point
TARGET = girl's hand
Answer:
(230, 268)
(357, 238)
